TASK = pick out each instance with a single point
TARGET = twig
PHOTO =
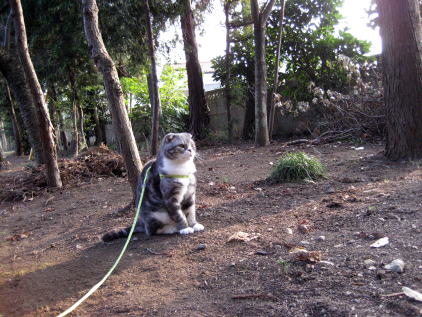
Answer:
(392, 294)
(156, 253)
(251, 296)
(48, 200)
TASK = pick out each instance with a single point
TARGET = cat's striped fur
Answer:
(169, 201)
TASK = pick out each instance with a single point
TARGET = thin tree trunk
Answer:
(401, 33)
(249, 119)
(17, 131)
(156, 105)
(260, 17)
(78, 115)
(53, 112)
(75, 129)
(63, 137)
(15, 76)
(46, 128)
(227, 89)
(114, 92)
(198, 110)
(277, 66)
(99, 137)
(3, 139)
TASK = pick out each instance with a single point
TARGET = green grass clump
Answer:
(298, 166)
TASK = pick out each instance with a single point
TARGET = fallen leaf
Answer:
(17, 237)
(241, 236)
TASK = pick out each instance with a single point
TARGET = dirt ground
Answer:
(51, 253)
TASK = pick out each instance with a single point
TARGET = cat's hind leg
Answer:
(167, 229)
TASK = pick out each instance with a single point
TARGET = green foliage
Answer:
(309, 49)
(174, 103)
(298, 166)
(284, 264)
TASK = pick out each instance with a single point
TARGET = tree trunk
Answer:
(78, 116)
(156, 103)
(3, 139)
(17, 131)
(75, 142)
(52, 102)
(227, 89)
(99, 137)
(63, 137)
(401, 34)
(259, 20)
(13, 72)
(277, 65)
(46, 129)
(198, 110)
(249, 119)
(114, 92)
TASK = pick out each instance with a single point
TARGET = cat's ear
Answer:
(169, 137)
(189, 135)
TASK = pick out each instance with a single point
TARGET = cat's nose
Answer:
(190, 150)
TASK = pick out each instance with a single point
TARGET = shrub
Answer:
(298, 166)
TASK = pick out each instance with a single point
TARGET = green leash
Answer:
(96, 286)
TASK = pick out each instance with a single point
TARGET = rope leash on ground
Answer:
(96, 286)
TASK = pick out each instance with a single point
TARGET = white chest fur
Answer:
(175, 167)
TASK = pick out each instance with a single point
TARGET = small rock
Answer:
(412, 293)
(368, 263)
(261, 252)
(201, 246)
(381, 274)
(232, 264)
(320, 238)
(303, 228)
(304, 242)
(289, 231)
(395, 266)
(380, 243)
(331, 190)
(78, 247)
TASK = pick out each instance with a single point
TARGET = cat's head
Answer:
(178, 147)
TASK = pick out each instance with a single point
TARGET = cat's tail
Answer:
(122, 233)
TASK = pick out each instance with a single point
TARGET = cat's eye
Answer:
(183, 146)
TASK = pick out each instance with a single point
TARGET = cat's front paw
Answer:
(198, 227)
(187, 230)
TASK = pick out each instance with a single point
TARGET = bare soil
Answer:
(51, 254)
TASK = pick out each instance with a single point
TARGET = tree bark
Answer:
(46, 128)
(227, 89)
(401, 33)
(114, 92)
(155, 101)
(13, 72)
(17, 131)
(260, 17)
(277, 65)
(198, 110)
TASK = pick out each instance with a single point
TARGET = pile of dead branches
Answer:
(93, 163)
(335, 116)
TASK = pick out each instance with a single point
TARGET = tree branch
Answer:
(266, 10)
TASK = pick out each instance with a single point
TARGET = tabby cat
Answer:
(168, 205)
